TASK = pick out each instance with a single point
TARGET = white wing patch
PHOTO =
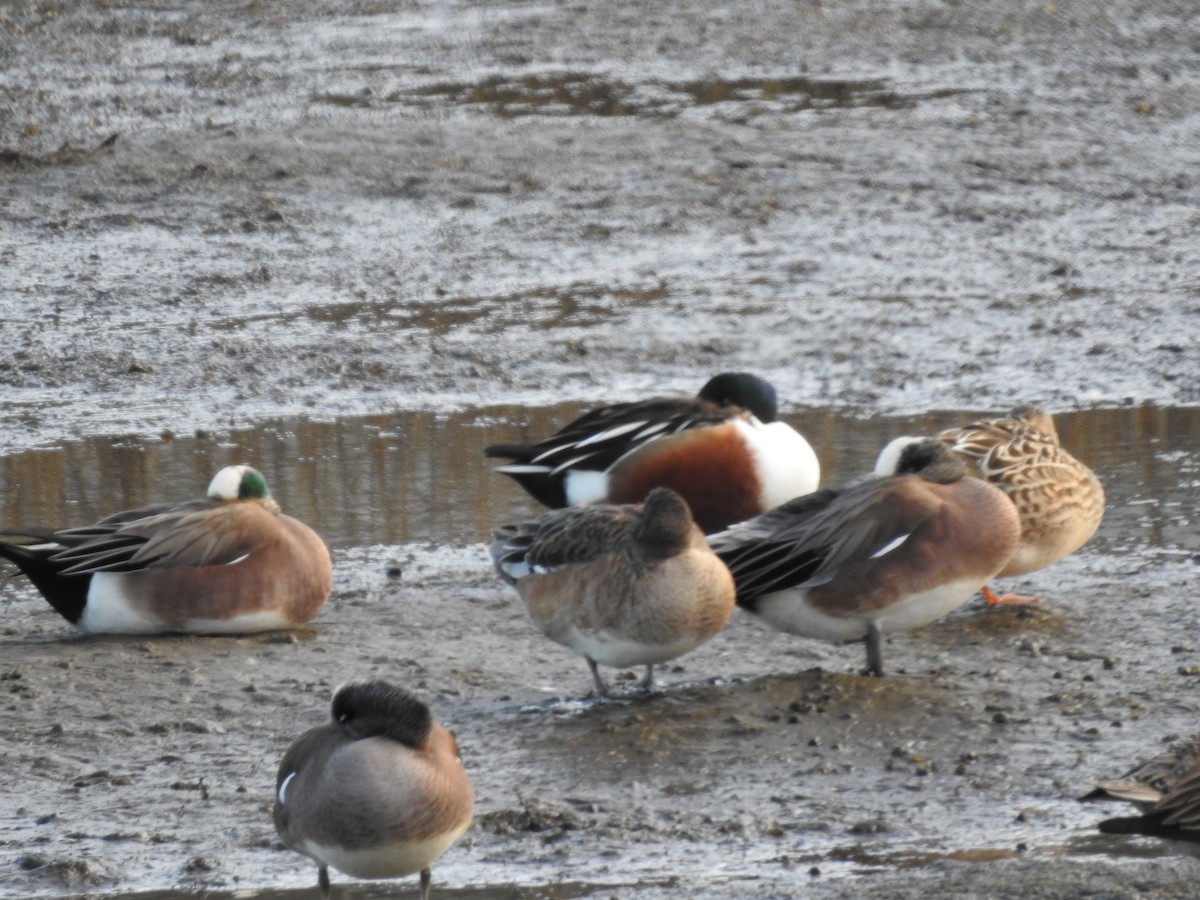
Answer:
(583, 487)
(517, 569)
(890, 546)
(283, 786)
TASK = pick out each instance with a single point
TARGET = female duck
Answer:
(1167, 791)
(619, 585)
(1059, 500)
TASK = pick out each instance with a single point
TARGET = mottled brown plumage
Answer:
(1148, 782)
(1060, 501)
(620, 585)
(1166, 788)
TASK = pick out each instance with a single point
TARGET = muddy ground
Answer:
(215, 216)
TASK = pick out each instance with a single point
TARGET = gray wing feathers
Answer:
(193, 534)
(807, 542)
(562, 537)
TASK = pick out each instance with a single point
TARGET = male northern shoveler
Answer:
(722, 451)
(619, 585)
(1059, 499)
(378, 792)
(880, 555)
(229, 563)
(1167, 791)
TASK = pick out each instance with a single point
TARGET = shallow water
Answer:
(422, 477)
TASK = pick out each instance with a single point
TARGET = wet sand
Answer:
(314, 219)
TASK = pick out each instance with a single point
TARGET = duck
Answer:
(618, 584)
(1166, 791)
(882, 554)
(723, 451)
(230, 563)
(379, 791)
(1060, 501)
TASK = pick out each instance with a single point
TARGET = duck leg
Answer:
(426, 877)
(874, 651)
(323, 881)
(601, 687)
(991, 598)
(648, 682)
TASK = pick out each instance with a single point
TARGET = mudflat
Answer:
(327, 214)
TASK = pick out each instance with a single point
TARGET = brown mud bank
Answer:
(354, 243)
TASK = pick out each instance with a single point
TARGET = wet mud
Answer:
(354, 243)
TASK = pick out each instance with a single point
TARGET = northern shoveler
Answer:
(880, 555)
(378, 792)
(723, 451)
(229, 563)
(620, 585)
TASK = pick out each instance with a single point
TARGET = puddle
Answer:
(586, 94)
(422, 476)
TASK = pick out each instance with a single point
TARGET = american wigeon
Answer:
(1167, 791)
(880, 555)
(1059, 500)
(229, 563)
(722, 451)
(378, 792)
(621, 585)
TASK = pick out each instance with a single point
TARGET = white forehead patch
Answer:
(889, 456)
(227, 484)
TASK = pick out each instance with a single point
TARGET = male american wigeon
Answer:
(1165, 788)
(378, 792)
(880, 555)
(621, 585)
(1059, 500)
(229, 563)
(723, 451)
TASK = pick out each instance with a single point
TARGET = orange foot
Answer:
(991, 598)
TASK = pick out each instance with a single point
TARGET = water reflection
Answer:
(421, 476)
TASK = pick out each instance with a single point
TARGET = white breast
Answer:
(784, 460)
(386, 860)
